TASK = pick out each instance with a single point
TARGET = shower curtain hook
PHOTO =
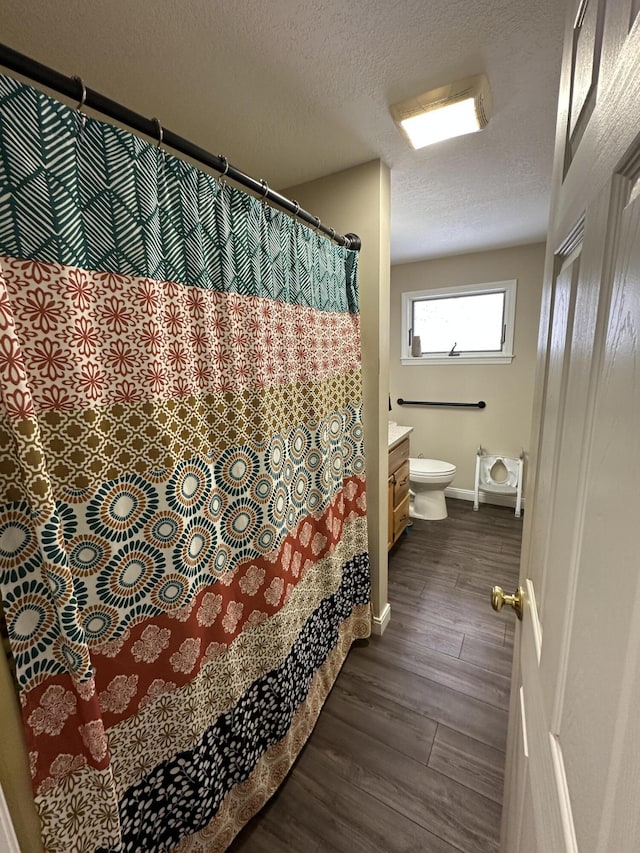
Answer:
(317, 219)
(83, 100)
(160, 135)
(159, 131)
(265, 191)
(297, 204)
(333, 233)
(221, 180)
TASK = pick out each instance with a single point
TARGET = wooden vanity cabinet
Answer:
(398, 491)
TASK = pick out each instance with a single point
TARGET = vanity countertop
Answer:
(397, 433)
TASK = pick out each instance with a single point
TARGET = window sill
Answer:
(459, 359)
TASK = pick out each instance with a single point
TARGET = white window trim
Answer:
(505, 356)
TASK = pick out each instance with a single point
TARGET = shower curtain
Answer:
(183, 552)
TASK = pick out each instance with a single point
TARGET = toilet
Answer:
(429, 478)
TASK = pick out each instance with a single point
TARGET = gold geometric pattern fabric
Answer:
(82, 448)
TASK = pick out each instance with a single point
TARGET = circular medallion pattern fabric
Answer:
(189, 486)
(18, 544)
(141, 545)
(121, 508)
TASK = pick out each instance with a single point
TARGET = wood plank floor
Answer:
(408, 753)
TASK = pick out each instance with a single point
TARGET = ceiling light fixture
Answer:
(453, 110)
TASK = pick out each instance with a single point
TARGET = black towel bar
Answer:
(480, 405)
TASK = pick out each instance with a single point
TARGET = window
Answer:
(471, 324)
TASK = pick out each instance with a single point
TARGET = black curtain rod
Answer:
(72, 87)
(480, 405)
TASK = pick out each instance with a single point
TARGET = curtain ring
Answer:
(160, 135)
(265, 190)
(333, 233)
(221, 181)
(317, 219)
(297, 204)
(83, 98)
(159, 131)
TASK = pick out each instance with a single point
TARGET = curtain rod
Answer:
(73, 87)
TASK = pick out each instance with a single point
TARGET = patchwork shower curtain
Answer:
(183, 553)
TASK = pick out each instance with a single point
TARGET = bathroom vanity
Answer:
(398, 483)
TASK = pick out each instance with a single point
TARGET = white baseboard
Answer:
(484, 498)
(380, 622)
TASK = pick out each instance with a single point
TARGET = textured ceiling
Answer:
(291, 91)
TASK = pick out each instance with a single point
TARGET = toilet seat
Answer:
(509, 483)
(426, 469)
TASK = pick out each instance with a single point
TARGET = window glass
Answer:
(463, 323)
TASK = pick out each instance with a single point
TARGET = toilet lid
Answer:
(431, 466)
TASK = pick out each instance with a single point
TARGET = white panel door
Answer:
(573, 754)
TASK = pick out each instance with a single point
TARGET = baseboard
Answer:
(484, 498)
(380, 622)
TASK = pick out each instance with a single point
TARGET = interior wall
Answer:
(504, 425)
(15, 777)
(358, 200)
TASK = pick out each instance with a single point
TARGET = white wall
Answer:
(357, 200)
(504, 426)
(15, 777)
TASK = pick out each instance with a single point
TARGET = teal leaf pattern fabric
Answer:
(84, 193)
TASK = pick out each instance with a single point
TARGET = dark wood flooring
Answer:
(408, 753)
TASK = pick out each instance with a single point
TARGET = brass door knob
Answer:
(499, 599)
